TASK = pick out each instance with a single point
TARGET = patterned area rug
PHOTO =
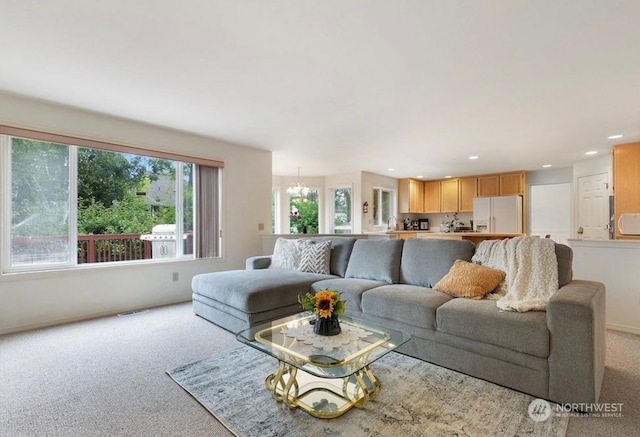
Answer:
(417, 399)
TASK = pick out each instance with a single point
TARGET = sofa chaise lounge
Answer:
(557, 354)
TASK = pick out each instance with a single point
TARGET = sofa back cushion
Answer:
(341, 248)
(427, 260)
(564, 254)
(376, 259)
(288, 252)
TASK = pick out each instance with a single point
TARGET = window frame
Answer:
(275, 210)
(332, 208)
(377, 195)
(73, 144)
(289, 198)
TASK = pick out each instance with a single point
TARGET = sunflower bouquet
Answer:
(324, 303)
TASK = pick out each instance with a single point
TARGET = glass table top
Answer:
(293, 341)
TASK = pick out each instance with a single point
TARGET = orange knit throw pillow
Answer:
(470, 280)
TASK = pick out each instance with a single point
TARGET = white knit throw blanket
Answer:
(531, 267)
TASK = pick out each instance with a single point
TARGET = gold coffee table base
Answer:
(325, 398)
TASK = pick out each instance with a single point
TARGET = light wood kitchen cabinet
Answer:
(505, 184)
(626, 183)
(468, 188)
(449, 193)
(410, 195)
(432, 197)
(512, 184)
(488, 185)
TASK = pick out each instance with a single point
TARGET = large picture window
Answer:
(67, 204)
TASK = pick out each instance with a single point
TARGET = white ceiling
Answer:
(333, 86)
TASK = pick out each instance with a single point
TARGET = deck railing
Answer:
(112, 247)
(90, 248)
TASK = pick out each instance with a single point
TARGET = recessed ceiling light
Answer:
(474, 157)
(615, 137)
(546, 166)
(447, 177)
(391, 169)
(592, 152)
(420, 177)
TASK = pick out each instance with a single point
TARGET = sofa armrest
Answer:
(258, 262)
(576, 319)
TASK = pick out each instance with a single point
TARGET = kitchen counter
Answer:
(475, 237)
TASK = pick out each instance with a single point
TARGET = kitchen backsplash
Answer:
(464, 219)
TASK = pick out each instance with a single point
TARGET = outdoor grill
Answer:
(163, 241)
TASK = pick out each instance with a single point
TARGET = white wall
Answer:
(615, 264)
(549, 209)
(44, 298)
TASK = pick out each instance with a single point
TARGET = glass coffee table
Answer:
(325, 376)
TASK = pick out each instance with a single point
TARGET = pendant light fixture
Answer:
(299, 189)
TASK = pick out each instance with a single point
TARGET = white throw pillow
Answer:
(286, 254)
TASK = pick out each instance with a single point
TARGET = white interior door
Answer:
(593, 207)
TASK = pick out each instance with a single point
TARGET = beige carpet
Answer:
(106, 377)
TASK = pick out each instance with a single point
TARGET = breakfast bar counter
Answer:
(474, 237)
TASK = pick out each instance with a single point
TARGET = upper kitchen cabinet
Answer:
(449, 192)
(626, 186)
(432, 196)
(488, 185)
(410, 195)
(468, 188)
(505, 184)
(512, 184)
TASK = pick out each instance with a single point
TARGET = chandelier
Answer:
(298, 189)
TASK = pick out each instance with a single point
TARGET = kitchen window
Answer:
(69, 201)
(383, 204)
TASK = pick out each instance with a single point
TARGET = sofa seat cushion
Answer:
(351, 289)
(483, 321)
(413, 305)
(252, 291)
(425, 261)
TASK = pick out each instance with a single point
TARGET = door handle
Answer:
(580, 230)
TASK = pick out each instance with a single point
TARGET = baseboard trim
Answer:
(114, 312)
(624, 328)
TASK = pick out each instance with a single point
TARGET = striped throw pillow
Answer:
(316, 257)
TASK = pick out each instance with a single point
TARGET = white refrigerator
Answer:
(501, 214)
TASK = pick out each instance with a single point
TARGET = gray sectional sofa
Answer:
(557, 354)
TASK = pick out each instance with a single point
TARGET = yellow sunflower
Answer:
(324, 303)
